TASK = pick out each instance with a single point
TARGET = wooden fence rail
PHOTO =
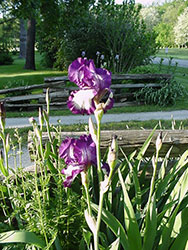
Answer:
(131, 140)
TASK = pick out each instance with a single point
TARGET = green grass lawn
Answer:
(16, 72)
(174, 52)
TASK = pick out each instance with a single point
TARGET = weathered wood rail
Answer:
(123, 87)
(131, 140)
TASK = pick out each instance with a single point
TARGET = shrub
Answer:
(5, 57)
(144, 69)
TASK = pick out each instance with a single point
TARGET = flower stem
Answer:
(99, 170)
(96, 235)
(88, 198)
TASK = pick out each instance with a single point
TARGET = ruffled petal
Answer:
(86, 150)
(66, 150)
(79, 154)
(84, 73)
(79, 72)
(102, 78)
(70, 173)
(81, 101)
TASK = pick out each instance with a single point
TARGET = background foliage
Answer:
(164, 20)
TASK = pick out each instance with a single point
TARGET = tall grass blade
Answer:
(146, 144)
(115, 244)
(2, 168)
(162, 169)
(131, 224)
(114, 225)
(180, 189)
(151, 226)
(182, 161)
(21, 237)
(181, 222)
(181, 241)
(178, 194)
(133, 171)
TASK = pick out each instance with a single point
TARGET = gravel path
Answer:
(77, 119)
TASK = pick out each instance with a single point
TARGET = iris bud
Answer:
(83, 53)
(113, 153)
(117, 57)
(99, 112)
(159, 142)
(102, 57)
(2, 115)
(92, 130)
(48, 101)
(90, 221)
(41, 119)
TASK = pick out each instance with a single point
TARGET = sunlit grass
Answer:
(174, 52)
(16, 72)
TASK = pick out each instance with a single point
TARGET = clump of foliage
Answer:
(144, 69)
(5, 57)
(167, 95)
(15, 84)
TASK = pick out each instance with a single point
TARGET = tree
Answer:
(30, 48)
(151, 16)
(50, 30)
(165, 34)
(169, 13)
(9, 27)
(181, 29)
(27, 10)
(23, 39)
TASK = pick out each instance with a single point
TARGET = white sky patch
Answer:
(144, 2)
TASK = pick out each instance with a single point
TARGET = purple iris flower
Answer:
(79, 155)
(93, 82)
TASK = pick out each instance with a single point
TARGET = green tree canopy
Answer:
(181, 29)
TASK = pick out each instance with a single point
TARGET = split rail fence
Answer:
(123, 87)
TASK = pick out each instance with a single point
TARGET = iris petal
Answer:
(71, 173)
(81, 101)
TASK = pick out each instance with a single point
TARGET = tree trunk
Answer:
(30, 50)
(23, 39)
